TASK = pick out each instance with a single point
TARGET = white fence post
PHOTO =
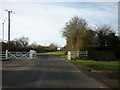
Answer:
(31, 55)
(69, 55)
(6, 54)
(78, 54)
(86, 53)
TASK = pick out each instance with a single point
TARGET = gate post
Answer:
(69, 55)
(31, 54)
(6, 54)
(78, 54)
(86, 53)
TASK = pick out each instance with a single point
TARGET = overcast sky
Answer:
(43, 22)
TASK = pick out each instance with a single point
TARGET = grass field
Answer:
(57, 52)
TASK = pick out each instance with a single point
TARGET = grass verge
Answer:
(99, 65)
(60, 53)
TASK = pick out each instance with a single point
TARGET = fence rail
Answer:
(2, 55)
(77, 54)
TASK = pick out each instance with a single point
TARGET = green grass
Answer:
(60, 53)
(99, 65)
(57, 52)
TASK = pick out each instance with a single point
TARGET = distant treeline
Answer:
(22, 44)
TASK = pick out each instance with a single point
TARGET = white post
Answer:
(35, 53)
(69, 55)
(31, 54)
(86, 53)
(6, 54)
(78, 54)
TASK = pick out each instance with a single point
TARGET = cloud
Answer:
(59, 0)
(43, 22)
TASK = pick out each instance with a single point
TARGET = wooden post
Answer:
(78, 54)
(31, 54)
(69, 55)
(86, 53)
(6, 54)
(34, 54)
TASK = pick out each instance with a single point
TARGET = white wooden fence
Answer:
(18, 55)
(77, 54)
(2, 55)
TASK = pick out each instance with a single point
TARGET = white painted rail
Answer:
(2, 55)
(77, 54)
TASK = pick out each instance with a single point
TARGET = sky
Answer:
(43, 22)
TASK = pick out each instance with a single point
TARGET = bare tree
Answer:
(102, 32)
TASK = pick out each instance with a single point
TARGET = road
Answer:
(46, 71)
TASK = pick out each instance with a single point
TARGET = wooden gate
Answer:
(18, 55)
(77, 54)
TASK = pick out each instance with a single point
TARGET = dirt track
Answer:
(47, 71)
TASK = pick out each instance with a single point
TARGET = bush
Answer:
(101, 55)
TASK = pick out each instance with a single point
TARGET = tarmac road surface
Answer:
(46, 71)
